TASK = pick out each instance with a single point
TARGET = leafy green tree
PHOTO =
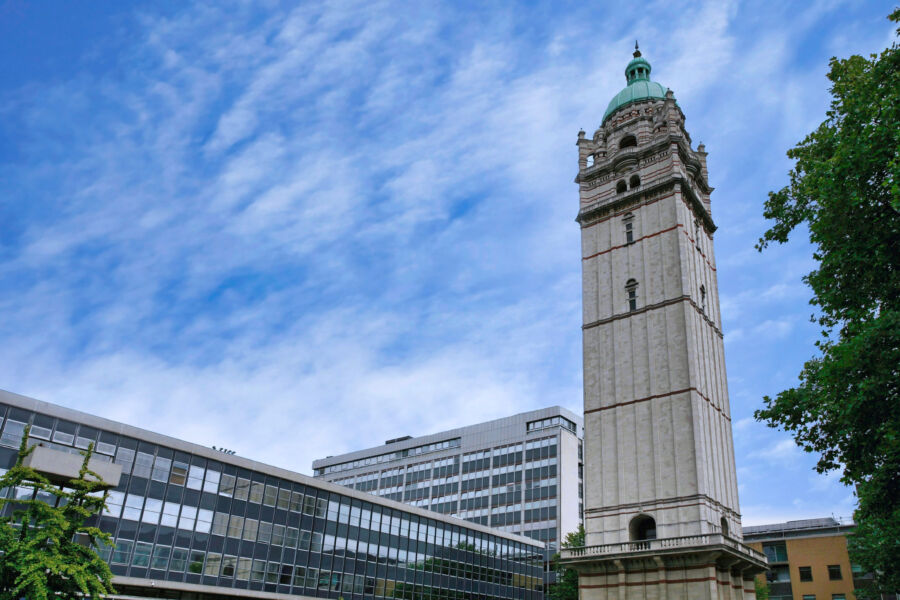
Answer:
(762, 588)
(566, 586)
(845, 190)
(47, 550)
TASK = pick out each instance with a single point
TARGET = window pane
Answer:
(161, 557)
(141, 556)
(270, 495)
(243, 568)
(179, 473)
(242, 489)
(250, 529)
(122, 552)
(178, 561)
(213, 564)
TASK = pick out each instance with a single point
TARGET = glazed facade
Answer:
(194, 522)
(520, 474)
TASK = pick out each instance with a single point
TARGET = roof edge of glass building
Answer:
(84, 418)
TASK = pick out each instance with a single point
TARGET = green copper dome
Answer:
(639, 87)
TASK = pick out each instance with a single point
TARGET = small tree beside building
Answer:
(566, 586)
(46, 550)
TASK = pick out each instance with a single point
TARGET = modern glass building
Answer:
(520, 474)
(191, 522)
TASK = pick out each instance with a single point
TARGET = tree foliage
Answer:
(566, 586)
(47, 550)
(844, 189)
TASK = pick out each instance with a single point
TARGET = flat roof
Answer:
(799, 527)
(407, 442)
(84, 418)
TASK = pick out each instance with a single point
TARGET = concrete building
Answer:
(808, 559)
(193, 523)
(661, 503)
(520, 474)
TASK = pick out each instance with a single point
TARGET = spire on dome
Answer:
(637, 51)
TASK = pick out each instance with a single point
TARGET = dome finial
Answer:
(637, 52)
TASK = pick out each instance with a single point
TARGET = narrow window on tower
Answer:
(628, 141)
(621, 187)
(703, 298)
(629, 228)
(634, 182)
(697, 233)
(631, 289)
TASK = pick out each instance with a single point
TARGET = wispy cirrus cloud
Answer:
(300, 230)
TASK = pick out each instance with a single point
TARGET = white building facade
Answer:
(520, 474)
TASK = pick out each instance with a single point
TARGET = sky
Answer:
(299, 229)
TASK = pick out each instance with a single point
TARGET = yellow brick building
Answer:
(808, 559)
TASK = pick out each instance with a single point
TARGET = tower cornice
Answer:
(675, 182)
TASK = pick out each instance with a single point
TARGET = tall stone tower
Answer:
(661, 501)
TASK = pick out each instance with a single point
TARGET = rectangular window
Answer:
(114, 503)
(196, 563)
(256, 492)
(204, 520)
(299, 576)
(312, 578)
(809, 597)
(304, 540)
(122, 552)
(178, 562)
(160, 557)
(179, 473)
(143, 465)
(125, 457)
(838, 597)
(226, 485)
(242, 489)
(806, 574)
(170, 514)
(309, 506)
(296, 502)
(220, 524)
(265, 533)
(316, 545)
(161, 469)
(229, 564)
(287, 572)
(211, 484)
(834, 572)
(195, 477)
(776, 552)
(278, 535)
(188, 516)
(271, 495)
(141, 556)
(258, 571)
(243, 568)
(133, 506)
(272, 570)
(12, 434)
(250, 528)
(284, 499)
(152, 510)
(235, 526)
(290, 537)
(213, 564)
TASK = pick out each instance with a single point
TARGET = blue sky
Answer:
(295, 230)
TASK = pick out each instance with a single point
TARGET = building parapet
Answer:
(702, 541)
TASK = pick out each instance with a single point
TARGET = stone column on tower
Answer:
(661, 506)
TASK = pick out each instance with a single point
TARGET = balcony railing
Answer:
(706, 539)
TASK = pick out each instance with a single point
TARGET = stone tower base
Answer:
(667, 569)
